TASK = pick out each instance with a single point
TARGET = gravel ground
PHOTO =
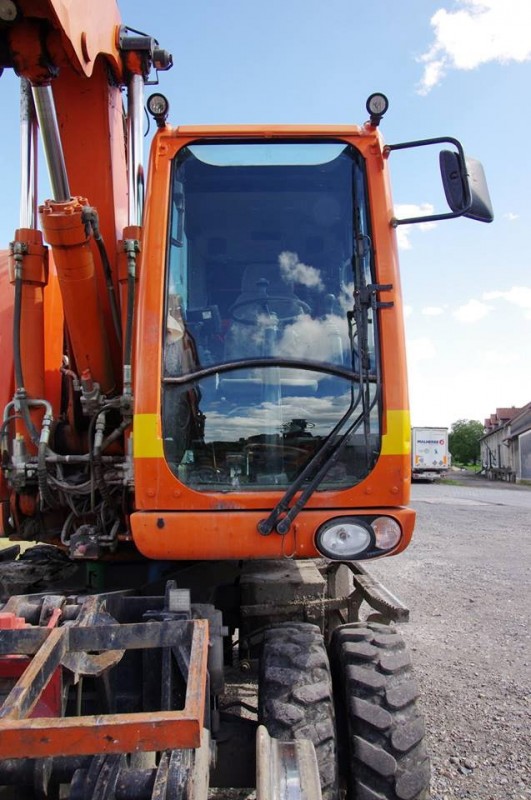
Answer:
(466, 581)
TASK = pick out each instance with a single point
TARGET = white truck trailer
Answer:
(429, 453)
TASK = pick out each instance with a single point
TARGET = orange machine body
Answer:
(65, 301)
(174, 521)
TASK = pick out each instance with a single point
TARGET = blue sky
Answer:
(452, 67)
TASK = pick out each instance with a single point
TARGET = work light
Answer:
(158, 107)
(377, 104)
(344, 538)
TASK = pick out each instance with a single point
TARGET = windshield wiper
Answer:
(316, 469)
(319, 465)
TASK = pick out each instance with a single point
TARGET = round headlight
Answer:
(159, 107)
(344, 539)
(387, 532)
(377, 104)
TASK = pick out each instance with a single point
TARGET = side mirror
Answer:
(463, 180)
(465, 186)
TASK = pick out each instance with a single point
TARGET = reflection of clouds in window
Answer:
(249, 420)
(262, 333)
(256, 340)
(294, 271)
(346, 298)
(315, 339)
(324, 340)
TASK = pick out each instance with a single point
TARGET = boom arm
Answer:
(76, 58)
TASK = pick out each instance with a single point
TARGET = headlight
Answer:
(387, 532)
(344, 539)
(159, 107)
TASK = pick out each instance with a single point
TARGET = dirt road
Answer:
(466, 580)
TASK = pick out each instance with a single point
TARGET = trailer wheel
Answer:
(382, 752)
(295, 698)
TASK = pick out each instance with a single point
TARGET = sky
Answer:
(457, 68)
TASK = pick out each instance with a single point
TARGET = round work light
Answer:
(377, 104)
(158, 107)
(344, 538)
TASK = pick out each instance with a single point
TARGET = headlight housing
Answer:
(344, 539)
(158, 106)
(353, 538)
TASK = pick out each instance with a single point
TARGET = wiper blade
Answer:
(313, 467)
(316, 468)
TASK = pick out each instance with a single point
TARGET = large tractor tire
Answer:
(382, 752)
(295, 695)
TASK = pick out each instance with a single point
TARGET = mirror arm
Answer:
(468, 194)
(431, 218)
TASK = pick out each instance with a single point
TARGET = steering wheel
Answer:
(286, 309)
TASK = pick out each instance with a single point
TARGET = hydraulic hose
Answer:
(96, 457)
(91, 219)
(117, 432)
(131, 247)
(42, 472)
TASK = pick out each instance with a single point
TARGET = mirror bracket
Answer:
(462, 178)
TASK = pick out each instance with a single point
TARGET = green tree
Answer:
(463, 441)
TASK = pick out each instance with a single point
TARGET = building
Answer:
(506, 444)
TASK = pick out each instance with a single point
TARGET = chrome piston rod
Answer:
(135, 145)
(28, 157)
(51, 139)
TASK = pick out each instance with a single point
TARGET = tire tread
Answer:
(376, 693)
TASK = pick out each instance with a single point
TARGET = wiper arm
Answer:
(331, 448)
(319, 465)
(266, 526)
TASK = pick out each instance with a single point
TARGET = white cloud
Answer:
(472, 311)
(432, 311)
(407, 210)
(477, 32)
(421, 349)
(499, 357)
(518, 295)
(408, 310)
(511, 216)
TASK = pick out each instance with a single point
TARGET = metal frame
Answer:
(109, 733)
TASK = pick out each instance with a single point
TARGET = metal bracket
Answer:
(366, 296)
(108, 733)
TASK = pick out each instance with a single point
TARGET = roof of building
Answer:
(501, 417)
(513, 421)
(521, 422)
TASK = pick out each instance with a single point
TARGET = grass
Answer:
(473, 468)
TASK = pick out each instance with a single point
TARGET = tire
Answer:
(295, 698)
(382, 753)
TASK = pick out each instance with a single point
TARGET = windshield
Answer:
(268, 242)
